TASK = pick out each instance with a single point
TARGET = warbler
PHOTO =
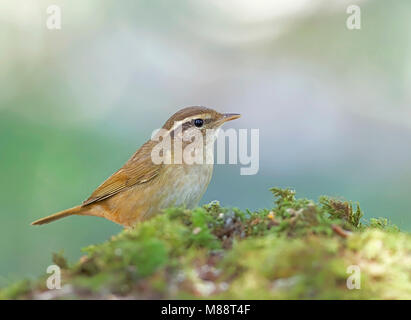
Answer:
(151, 181)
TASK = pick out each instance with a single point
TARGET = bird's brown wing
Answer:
(139, 169)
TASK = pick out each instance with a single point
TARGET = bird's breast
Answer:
(185, 184)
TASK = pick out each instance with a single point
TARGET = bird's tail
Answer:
(59, 215)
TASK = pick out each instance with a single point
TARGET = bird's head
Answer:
(192, 129)
(201, 118)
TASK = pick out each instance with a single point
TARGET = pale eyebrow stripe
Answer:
(205, 116)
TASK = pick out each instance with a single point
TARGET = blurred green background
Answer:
(332, 105)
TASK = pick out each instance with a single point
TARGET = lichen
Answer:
(298, 249)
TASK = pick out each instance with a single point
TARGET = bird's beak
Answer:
(230, 116)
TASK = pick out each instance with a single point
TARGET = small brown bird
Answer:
(143, 187)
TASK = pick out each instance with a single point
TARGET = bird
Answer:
(144, 185)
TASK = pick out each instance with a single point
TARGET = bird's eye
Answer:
(198, 123)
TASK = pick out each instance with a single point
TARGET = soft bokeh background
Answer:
(332, 105)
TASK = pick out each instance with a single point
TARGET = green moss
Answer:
(298, 249)
(59, 260)
(201, 234)
(16, 290)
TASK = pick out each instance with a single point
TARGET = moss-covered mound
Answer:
(296, 250)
